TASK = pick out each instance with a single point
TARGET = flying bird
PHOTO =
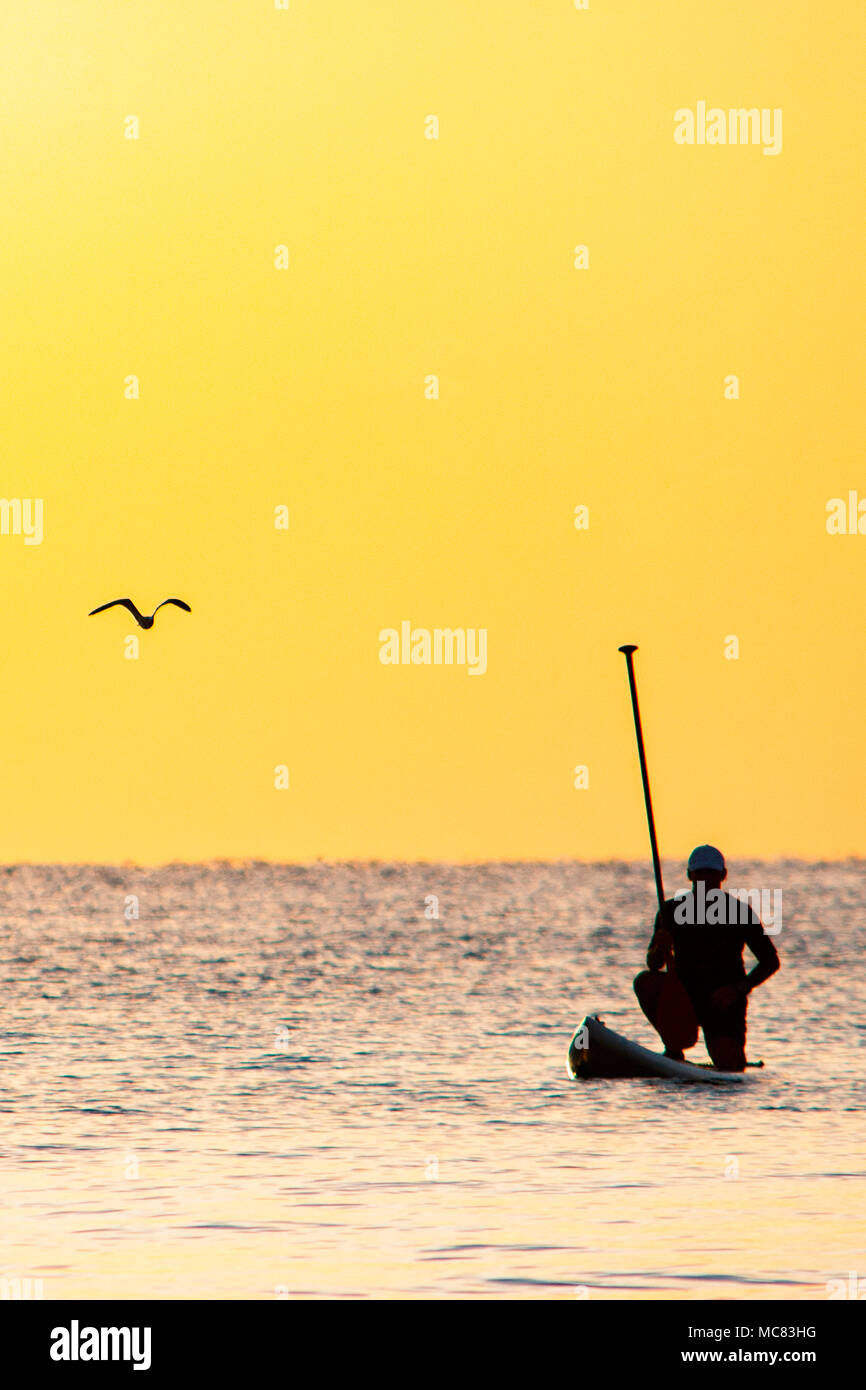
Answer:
(140, 617)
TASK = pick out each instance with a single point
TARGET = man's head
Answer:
(707, 865)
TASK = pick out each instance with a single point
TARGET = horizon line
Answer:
(243, 861)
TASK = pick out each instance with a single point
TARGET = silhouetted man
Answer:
(696, 977)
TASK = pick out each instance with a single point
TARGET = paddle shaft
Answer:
(628, 653)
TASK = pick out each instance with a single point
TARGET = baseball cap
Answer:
(707, 857)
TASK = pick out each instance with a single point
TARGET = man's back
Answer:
(709, 953)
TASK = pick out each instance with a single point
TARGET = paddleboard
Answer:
(597, 1051)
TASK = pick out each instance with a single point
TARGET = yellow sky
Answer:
(305, 387)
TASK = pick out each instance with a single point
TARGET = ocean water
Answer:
(296, 1081)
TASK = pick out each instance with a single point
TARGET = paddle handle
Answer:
(628, 652)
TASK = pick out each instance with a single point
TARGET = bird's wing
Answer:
(123, 602)
(177, 601)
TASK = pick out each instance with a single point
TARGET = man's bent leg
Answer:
(725, 1036)
(663, 998)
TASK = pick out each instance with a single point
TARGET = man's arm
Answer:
(661, 948)
(762, 948)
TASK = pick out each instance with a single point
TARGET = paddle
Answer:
(628, 653)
